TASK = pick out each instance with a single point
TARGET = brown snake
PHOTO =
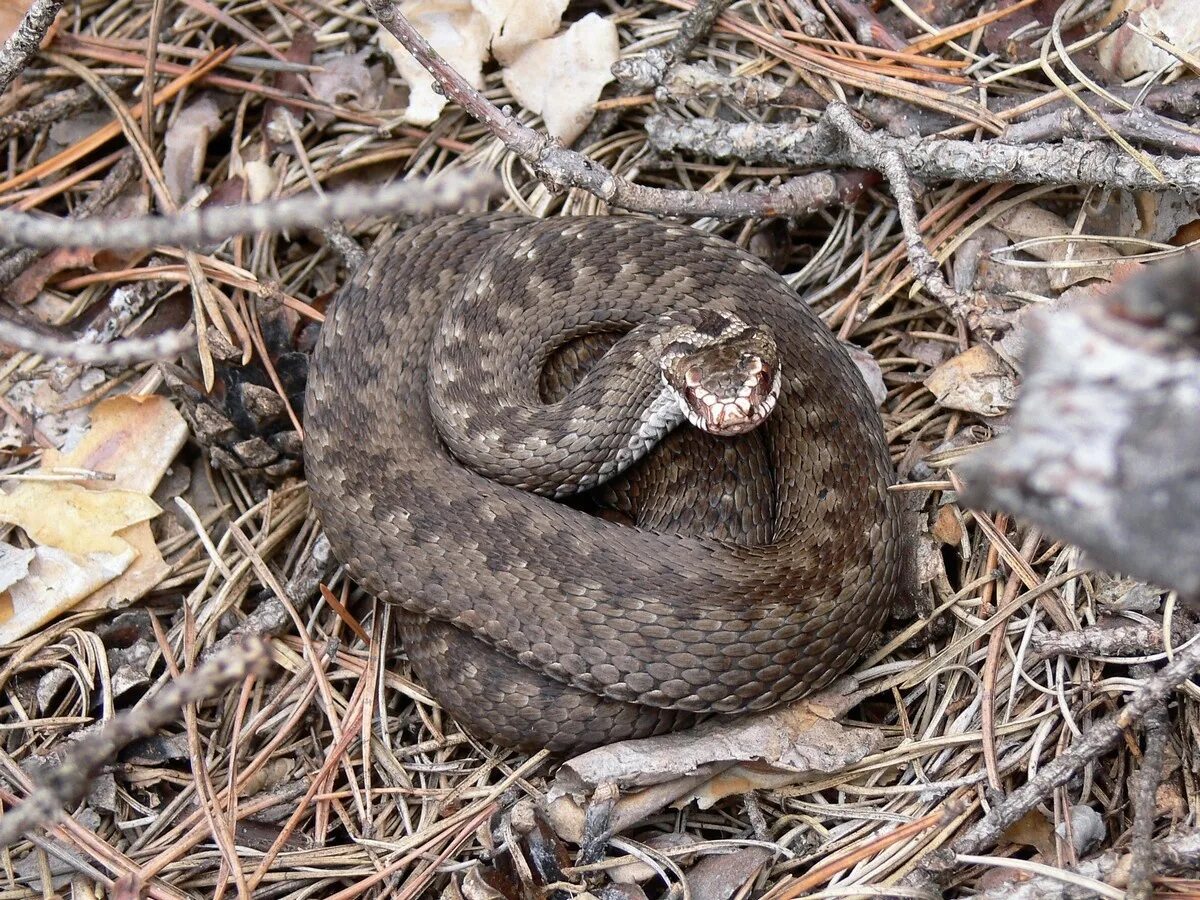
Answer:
(534, 623)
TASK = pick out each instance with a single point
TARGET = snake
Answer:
(449, 484)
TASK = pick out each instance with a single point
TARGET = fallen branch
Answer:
(1096, 741)
(927, 159)
(66, 785)
(214, 224)
(887, 160)
(25, 41)
(560, 168)
(1145, 797)
(125, 351)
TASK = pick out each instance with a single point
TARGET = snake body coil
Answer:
(532, 622)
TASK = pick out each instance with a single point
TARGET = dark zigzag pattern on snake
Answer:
(536, 624)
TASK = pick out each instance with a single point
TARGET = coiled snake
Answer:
(531, 621)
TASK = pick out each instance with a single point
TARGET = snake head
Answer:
(724, 373)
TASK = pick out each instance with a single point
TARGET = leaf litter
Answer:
(339, 763)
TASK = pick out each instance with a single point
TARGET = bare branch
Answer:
(1102, 449)
(560, 168)
(121, 352)
(1096, 741)
(14, 262)
(1145, 795)
(214, 224)
(888, 160)
(928, 159)
(67, 784)
(25, 41)
(641, 73)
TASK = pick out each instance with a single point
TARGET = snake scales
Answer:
(537, 624)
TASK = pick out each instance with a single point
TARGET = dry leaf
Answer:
(1128, 54)
(947, 527)
(868, 368)
(561, 78)
(261, 180)
(977, 381)
(515, 24)
(457, 32)
(186, 143)
(134, 439)
(54, 583)
(14, 565)
(346, 80)
(1080, 260)
(722, 875)
(29, 284)
(713, 760)
(73, 518)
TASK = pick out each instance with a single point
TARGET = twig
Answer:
(1139, 124)
(1121, 640)
(638, 74)
(1141, 843)
(25, 41)
(114, 182)
(560, 168)
(646, 72)
(215, 224)
(868, 29)
(1096, 741)
(928, 159)
(888, 160)
(123, 352)
(68, 783)
(1179, 852)
(55, 107)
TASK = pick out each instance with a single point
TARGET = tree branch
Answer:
(560, 168)
(67, 784)
(25, 41)
(927, 159)
(215, 224)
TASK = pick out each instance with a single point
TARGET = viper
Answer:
(764, 548)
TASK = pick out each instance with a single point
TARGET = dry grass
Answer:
(338, 776)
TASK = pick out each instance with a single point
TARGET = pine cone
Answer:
(244, 421)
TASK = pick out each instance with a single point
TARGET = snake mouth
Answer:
(729, 416)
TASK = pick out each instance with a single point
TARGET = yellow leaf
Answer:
(72, 518)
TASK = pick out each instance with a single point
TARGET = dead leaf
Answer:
(73, 518)
(515, 24)
(139, 578)
(1033, 830)
(54, 583)
(561, 78)
(1080, 260)
(713, 760)
(976, 381)
(456, 31)
(186, 143)
(134, 439)
(1129, 54)
(14, 565)
(347, 80)
(868, 368)
(26, 286)
(947, 527)
(722, 875)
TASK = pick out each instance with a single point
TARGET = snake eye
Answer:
(693, 377)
